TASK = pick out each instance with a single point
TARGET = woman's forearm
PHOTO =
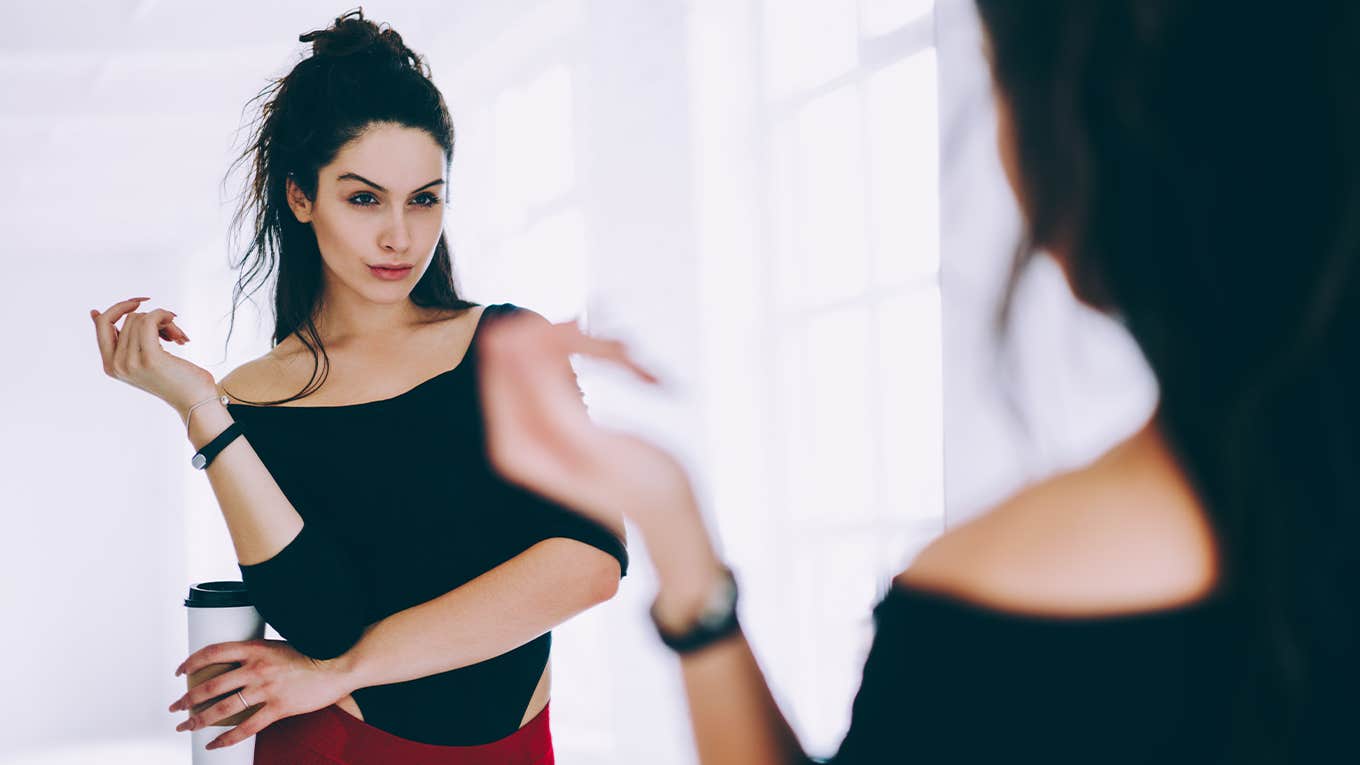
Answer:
(259, 517)
(301, 581)
(732, 711)
(497, 612)
(734, 716)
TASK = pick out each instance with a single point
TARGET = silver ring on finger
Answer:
(244, 704)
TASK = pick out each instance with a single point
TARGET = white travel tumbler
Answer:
(220, 612)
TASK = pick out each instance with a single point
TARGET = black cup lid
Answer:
(218, 595)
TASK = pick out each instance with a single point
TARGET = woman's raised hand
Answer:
(133, 354)
(540, 437)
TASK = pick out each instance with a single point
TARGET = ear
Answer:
(298, 202)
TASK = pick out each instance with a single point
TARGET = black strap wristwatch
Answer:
(204, 457)
(717, 620)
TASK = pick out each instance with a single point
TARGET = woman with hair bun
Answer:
(415, 589)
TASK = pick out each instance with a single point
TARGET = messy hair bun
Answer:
(353, 34)
(358, 74)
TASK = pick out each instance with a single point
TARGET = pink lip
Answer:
(390, 274)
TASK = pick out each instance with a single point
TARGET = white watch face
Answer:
(719, 604)
(199, 461)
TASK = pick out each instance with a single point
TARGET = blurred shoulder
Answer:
(507, 310)
(503, 324)
(1122, 535)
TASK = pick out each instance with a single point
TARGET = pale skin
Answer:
(377, 203)
(1122, 535)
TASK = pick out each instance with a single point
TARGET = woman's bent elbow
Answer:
(324, 647)
(605, 582)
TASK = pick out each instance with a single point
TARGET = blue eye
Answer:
(363, 199)
(426, 200)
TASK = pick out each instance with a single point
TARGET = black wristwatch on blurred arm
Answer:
(717, 620)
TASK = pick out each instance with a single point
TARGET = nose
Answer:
(394, 237)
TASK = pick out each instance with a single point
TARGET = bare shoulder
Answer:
(1122, 535)
(289, 367)
(262, 379)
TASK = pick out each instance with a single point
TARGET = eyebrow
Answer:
(361, 179)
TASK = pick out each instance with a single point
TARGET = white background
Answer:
(792, 210)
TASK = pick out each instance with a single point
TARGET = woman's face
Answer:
(378, 203)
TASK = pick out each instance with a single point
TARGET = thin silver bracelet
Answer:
(190, 417)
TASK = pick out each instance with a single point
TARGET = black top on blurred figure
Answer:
(947, 681)
(400, 505)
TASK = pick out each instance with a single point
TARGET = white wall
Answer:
(1079, 381)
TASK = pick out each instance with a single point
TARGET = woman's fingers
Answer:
(257, 722)
(117, 347)
(149, 329)
(172, 333)
(166, 327)
(107, 339)
(116, 311)
(123, 354)
(211, 689)
(105, 331)
(140, 337)
(571, 340)
(220, 711)
(217, 653)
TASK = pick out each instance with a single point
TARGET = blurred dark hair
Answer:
(358, 74)
(1193, 165)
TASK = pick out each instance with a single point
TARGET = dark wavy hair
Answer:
(1195, 167)
(358, 74)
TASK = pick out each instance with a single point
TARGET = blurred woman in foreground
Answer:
(1191, 594)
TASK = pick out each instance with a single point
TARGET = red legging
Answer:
(332, 736)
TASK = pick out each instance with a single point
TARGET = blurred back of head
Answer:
(1193, 165)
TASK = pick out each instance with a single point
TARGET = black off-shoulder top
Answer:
(949, 681)
(401, 505)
